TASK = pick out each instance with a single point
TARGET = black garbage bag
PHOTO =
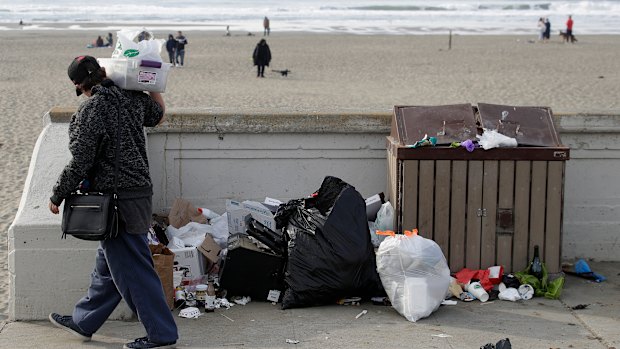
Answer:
(330, 255)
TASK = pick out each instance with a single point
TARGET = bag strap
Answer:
(118, 146)
(117, 151)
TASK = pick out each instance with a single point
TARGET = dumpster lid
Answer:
(531, 126)
(448, 123)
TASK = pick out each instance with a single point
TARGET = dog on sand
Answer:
(566, 38)
(283, 72)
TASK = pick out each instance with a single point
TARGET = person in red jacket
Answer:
(569, 29)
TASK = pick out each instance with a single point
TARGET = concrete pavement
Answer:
(537, 323)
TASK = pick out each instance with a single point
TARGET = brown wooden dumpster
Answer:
(487, 207)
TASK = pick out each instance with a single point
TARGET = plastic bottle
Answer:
(208, 213)
(179, 297)
(210, 298)
(536, 265)
(201, 295)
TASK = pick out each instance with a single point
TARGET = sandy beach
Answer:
(335, 72)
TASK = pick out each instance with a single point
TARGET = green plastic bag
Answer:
(542, 287)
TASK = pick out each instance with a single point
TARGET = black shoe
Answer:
(144, 343)
(67, 324)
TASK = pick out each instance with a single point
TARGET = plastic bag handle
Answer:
(386, 232)
(391, 233)
(411, 232)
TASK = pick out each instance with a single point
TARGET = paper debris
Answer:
(231, 320)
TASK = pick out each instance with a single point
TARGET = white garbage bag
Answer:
(137, 43)
(414, 274)
(192, 234)
(492, 139)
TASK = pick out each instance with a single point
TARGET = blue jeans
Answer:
(124, 270)
(181, 54)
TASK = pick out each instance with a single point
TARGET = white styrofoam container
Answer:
(128, 73)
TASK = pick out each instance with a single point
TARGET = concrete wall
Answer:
(210, 156)
(592, 191)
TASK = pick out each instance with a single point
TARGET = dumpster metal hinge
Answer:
(482, 212)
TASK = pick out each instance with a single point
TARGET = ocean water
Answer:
(399, 17)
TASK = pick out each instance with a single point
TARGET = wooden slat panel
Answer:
(458, 206)
(410, 194)
(441, 235)
(505, 201)
(474, 204)
(426, 199)
(489, 203)
(522, 213)
(538, 203)
(553, 236)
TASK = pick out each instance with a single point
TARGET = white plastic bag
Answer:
(493, 139)
(384, 222)
(414, 274)
(220, 230)
(509, 294)
(192, 234)
(385, 217)
(132, 43)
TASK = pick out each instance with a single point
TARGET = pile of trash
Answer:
(309, 251)
(331, 247)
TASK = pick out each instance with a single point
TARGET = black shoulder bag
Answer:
(94, 216)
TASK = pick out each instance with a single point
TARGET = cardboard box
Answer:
(272, 204)
(236, 217)
(260, 213)
(210, 249)
(238, 211)
(183, 212)
(188, 258)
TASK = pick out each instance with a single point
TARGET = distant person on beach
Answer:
(569, 30)
(171, 46)
(227, 30)
(541, 29)
(21, 22)
(261, 57)
(99, 41)
(180, 49)
(547, 34)
(110, 42)
(123, 265)
(266, 26)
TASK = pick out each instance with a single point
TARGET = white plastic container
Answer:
(136, 74)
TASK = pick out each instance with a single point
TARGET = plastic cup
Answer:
(526, 291)
(475, 288)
